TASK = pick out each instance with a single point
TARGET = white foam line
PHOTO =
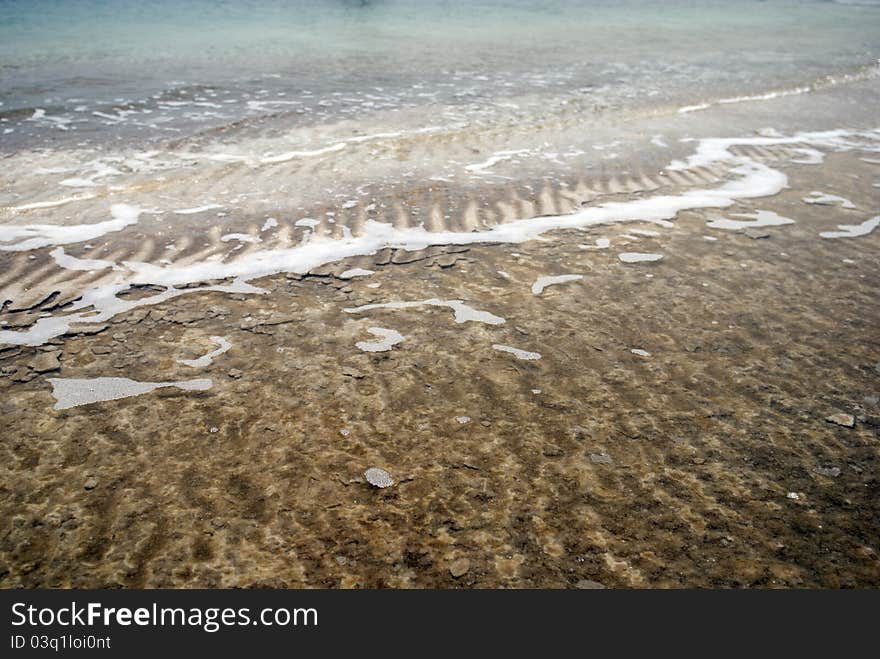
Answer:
(51, 204)
(73, 392)
(853, 230)
(387, 339)
(516, 352)
(543, 282)
(494, 159)
(290, 155)
(35, 236)
(205, 360)
(197, 209)
(753, 179)
(463, 312)
(744, 99)
(694, 108)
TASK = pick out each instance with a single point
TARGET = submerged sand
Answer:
(672, 433)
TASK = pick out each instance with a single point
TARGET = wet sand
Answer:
(703, 460)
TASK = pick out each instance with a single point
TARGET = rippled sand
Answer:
(672, 433)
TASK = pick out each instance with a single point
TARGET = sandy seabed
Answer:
(650, 424)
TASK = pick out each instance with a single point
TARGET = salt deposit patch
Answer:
(853, 230)
(73, 392)
(463, 313)
(19, 238)
(72, 263)
(356, 272)
(543, 282)
(516, 352)
(824, 199)
(205, 360)
(759, 219)
(639, 257)
(387, 339)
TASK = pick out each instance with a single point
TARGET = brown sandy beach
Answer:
(705, 460)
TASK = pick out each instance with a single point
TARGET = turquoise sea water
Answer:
(97, 70)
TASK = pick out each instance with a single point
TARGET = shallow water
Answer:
(100, 71)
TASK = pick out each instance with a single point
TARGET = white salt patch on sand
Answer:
(760, 219)
(640, 352)
(205, 360)
(638, 257)
(197, 209)
(307, 222)
(241, 237)
(601, 243)
(356, 272)
(101, 303)
(516, 352)
(853, 230)
(378, 477)
(645, 232)
(710, 238)
(824, 199)
(374, 285)
(72, 263)
(543, 282)
(463, 419)
(270, 223)
(73, 392)
(463, 312)
(34, 236)
(387, 339)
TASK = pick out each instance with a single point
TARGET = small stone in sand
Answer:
(91, 483)
(842, 419)
(459, 568)
(601, 458)
(829, 472)
(234, 373)
(352, 373)
(378, 477)
(46, 362)
(586, 584)
(756, 234)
